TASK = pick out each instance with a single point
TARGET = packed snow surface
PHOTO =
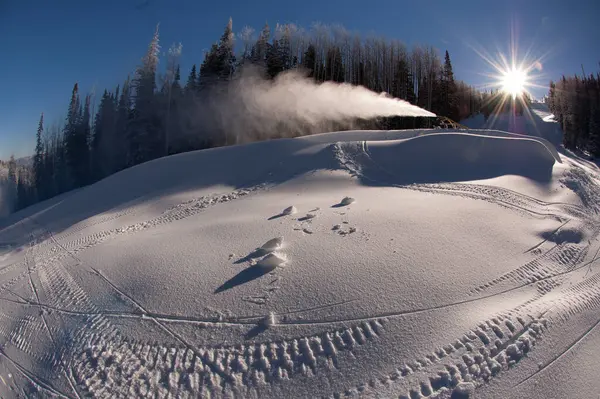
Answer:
(414, 264)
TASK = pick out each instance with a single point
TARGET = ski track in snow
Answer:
(97, 360)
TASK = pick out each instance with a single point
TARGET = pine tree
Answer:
(12, 184)
(285, 51)
(219, 62)
(226, 54)
(85, 138)
(259, 51)
(38, 161)
(71, 141)
(275, 64)
(123, 115)
(144, 131)
(309, 60)
(448, 91)
(104, 140)
(191, 85)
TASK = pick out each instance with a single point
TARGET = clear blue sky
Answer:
(47, 45)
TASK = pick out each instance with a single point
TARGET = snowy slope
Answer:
(460, 261)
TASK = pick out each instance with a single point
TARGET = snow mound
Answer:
(290, 210)
(272, 245)
(347, 201)
(447, 157)
(271, 261)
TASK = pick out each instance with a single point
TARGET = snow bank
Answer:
(448, 157)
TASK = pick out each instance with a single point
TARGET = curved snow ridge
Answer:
(501, 133)
(447, 157)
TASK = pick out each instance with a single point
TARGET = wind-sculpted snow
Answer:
(443, 265)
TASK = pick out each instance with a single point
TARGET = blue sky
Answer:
(46, 46)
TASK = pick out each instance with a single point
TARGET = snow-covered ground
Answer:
(368, 263)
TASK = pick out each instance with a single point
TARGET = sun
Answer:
(514, 82)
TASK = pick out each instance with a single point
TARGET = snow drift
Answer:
(465, 264)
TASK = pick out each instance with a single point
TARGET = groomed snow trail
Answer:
(418, 267)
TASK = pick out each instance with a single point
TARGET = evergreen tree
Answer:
(24, 189)
(104, 139)
(123, 115)
(191, 85)
(144, 131)
(448, 91)
(12, 183)
(259, 51)
(219, 62)
(72, 141)
(309, 61)
(38, 161)
(284, 52)
(274, 62)
(86, 137)
(173, 109)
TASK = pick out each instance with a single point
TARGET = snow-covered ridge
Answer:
(364, 263)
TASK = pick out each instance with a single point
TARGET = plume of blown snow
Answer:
(293, 95)
(251, 107)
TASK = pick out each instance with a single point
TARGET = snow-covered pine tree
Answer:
(144, 131)
(219, 62)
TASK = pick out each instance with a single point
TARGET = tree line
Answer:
(575, 103)
(151, 114)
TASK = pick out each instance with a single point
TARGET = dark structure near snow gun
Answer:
(407, 122)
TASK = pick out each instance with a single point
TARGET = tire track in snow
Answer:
(561, 258)
(129, 367)
(494, 345)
